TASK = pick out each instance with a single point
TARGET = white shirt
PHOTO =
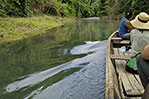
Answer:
(139, 40)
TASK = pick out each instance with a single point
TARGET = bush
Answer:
(2, 13)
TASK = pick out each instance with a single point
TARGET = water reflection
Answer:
(40, 61)
(41, 76)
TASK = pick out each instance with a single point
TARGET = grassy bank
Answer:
(18, 28)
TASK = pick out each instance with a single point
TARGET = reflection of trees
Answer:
(48, 48)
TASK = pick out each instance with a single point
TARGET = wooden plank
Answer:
(129, 88)
(116, 38)
(109, 88)
(134, 83)
(141, 88)
(122, 75)
(134, 98)
(128, 80)
(137, 79)
(119, 57)
(118, 68)
(136, 75)
(121, 89)
(127, 54)
(125, 42)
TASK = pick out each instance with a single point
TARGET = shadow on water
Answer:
(32, 65)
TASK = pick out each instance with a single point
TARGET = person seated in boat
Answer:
(140, 35)
(143, 66)
(125, 26)
(143, 70)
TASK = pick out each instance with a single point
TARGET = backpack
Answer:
(131, 65)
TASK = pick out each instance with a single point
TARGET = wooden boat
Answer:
(119, 83)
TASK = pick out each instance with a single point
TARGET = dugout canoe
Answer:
(119, 83)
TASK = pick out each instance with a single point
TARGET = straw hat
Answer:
(141, 21)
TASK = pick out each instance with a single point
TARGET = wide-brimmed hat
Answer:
(141, 21)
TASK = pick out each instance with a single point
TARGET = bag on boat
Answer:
(131, 65)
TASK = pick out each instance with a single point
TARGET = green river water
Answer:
(66, 62)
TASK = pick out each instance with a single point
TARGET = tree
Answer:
(76, 8)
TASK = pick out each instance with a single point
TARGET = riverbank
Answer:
(12, 29)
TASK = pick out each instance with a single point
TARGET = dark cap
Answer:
(128, 14)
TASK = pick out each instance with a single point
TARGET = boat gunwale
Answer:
(109, 90)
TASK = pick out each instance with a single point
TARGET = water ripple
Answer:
(88, 83)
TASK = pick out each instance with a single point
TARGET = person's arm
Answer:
(145, 53)
(127, 23)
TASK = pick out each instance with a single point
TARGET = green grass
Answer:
(19, 28)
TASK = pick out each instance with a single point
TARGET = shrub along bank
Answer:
(18, 28)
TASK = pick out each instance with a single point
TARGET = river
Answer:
(66, 62)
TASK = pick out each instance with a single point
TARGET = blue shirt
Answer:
(123, 29)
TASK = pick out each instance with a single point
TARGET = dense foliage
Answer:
(76, 8)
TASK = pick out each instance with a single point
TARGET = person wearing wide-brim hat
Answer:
(141, 21)
(140, 35)
(140, 43)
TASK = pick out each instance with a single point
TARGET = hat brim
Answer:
(139, 25)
